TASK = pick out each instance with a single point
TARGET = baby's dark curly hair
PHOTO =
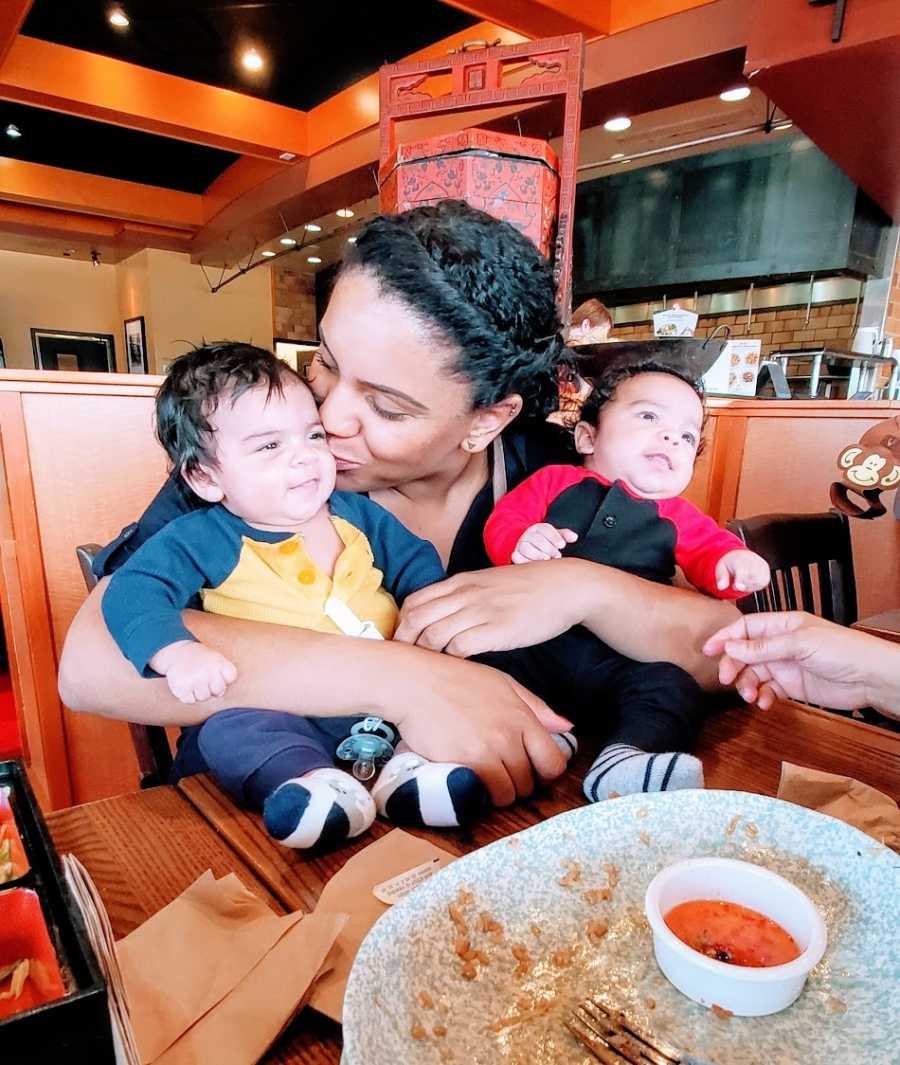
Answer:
(479, 285)
(193, 387)
(605, 381)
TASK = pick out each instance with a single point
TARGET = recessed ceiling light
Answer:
(314, 259)
(287, 156)
(118, 18)
(732, 96)
(351, 240)
(313, 227)
(617, 155)
(68, 252)
(618, 125)
(288, 242)
(252, 60)
(13, 131)
(344, 212)
(268, 254)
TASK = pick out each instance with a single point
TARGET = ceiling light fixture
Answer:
(314, 259)
(68, 252)
(344, 212)
(732, 96)
(617, 125)
(784, 125)
(118, 18)
(13, 131)
(351, 240)
(252, 60)
(617, 155)
(268, 254)
(288, 242)
(313, 227)
(287, 157)
(95, 257)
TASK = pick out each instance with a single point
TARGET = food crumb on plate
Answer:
(644, 837)
(536, 929)
(597, 895)
(425, 1000)
(751, 831)
(439, 1030)
(572, 876)
(596, 930)
(836, 1005)
(418, 1031)
(732, 825)
(720, 1011)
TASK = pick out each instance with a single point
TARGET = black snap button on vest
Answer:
(609, 521)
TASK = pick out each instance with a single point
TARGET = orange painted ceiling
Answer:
(156, 137)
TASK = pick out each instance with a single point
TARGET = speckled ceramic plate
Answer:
(563, 906)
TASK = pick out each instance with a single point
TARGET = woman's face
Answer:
(392, 411)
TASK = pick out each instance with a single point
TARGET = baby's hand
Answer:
(193, 671)
(541, 542)
(743, 571)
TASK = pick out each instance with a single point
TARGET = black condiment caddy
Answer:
(75, 1029)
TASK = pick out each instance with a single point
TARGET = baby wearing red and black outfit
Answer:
(639, 434)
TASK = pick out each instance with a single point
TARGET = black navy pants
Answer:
(655, 706)
(250, 752)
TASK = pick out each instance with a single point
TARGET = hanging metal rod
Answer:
(762, 127)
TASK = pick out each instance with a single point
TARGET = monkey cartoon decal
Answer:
(867, 469)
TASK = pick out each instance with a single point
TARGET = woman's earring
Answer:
(468, 445)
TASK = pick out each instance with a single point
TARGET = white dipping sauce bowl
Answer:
(745, 991)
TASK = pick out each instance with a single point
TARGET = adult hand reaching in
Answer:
(799, 656)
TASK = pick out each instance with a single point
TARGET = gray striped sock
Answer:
(624, 770)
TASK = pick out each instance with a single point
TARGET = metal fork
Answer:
(614, 1040)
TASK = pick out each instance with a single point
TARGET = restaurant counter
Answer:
(80, 461)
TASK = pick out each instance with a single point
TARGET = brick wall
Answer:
(830, 323)
(293, 302)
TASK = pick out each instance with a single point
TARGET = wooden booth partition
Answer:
(79, 463)
(773, 456)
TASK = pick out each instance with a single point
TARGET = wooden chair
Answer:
(151, 744)
(795, 545)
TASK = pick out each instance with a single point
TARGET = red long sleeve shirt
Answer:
(699, 542)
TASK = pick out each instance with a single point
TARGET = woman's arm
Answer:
(446, 709)
(517, 606)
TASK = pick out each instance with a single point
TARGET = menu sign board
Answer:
(735, 371)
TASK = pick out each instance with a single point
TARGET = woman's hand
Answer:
(449, 710)
(799, 656)
(491, 610)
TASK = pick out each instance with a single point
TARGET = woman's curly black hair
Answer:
(481, 286)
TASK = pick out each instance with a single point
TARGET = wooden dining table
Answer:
(143, 849)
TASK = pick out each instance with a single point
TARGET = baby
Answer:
(277, 544)
(639, 433)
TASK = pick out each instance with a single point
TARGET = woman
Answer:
(439, 361)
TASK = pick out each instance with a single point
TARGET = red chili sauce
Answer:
(731, 933)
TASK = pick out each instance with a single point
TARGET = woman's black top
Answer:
(524, 449)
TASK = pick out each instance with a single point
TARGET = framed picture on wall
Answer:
(56, 349)
(296, 353)
(136, 345)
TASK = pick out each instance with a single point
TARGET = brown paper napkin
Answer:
(849, 800)
(216, 975)
(350, 891)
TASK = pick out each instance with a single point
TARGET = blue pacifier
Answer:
(369, 746)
